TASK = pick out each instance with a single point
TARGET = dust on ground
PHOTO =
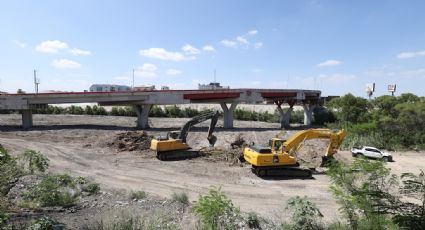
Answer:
(76, 144)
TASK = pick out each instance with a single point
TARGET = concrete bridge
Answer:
(142, 101)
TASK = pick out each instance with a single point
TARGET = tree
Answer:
(350, 109)
(20, 91)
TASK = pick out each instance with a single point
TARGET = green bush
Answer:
(138, 195)
(9, 171)
(45, 223)
(217, 211)
(181, 197)
(54, 190)
(91, 188)
(4, 218)
(253, 221)
(304, 214)
(362, 191)
(36, 161)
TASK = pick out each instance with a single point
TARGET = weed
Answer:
(181, 197)
(253, 220)
(91, 188)
(138, 195)
(216, 210)
(36, 161)
(55, 190)
(45, 223)
(305, 214)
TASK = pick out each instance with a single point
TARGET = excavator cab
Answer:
(275, 144)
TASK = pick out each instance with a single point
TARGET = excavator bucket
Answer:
(212, 139)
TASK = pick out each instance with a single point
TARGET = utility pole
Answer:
(132, 86)
(36, 81)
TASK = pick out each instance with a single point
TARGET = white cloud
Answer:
(208, 48)
(80, 52)
(65, 64)
(242, 40)
(146, 70)
(19, 43)
(51, 46)
(253, 32)
(162, 54)
(405, 55)
(229, 43)
(190, 49)
(329, 63)
(258, 45)
(174, 72)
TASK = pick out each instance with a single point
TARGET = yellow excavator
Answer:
(174, 146)
(280, 158)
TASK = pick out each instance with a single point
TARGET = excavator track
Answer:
(177, 155)
(279, 171)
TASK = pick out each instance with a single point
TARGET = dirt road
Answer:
(81, 150)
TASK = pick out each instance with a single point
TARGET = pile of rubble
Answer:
(231, 155)
(131, 141)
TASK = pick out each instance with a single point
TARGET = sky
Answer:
(334, 46)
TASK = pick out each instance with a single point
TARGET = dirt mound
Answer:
(311, 152)
(231, 156)
(131, 141)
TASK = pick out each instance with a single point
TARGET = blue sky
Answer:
(335, 46)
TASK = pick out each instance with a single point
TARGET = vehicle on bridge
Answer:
(109, 88)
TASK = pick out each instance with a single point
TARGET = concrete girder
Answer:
(142, 112)
(228, 114)
(26, 119)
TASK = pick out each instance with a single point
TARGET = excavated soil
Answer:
(79, 145)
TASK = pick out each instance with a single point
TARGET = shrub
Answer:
(36, 161)
(4, 218)
(216, 210)
(45, 223)
(363, 191)
(412, 214)
(9, 170)
(91, 188)
(304, 213)
(55, 190)
(138, 195)
(181, 197)
(253, 221)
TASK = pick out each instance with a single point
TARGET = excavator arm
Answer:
(184, 131)
(335, 141)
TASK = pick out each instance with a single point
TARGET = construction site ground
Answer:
(81, 145)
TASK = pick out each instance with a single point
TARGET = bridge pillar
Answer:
(308, 113)
(228, 114)
(285, 116)
(26, 119)
(142, 112)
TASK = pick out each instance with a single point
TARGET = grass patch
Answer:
(91, 188)
(138, 195)
(181, 197)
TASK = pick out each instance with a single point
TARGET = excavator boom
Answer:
(174, 145)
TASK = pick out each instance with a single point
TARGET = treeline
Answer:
(172, 111)
(385, 122)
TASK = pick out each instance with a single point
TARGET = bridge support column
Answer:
(142, 112)
(308, 113)
(26, 119)
(228, 114)
(285, 116)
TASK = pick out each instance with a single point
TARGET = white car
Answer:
(371, 152)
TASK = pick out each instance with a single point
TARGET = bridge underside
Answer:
(142, 102)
